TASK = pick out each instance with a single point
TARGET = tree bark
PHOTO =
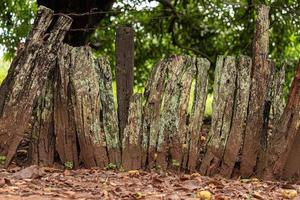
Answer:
(79, 37)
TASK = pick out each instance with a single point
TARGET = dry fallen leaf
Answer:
(254, 180)
(133, 172)
(204, 195)
(139, 195)
(289, 194)
(193, 175)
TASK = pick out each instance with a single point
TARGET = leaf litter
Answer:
(33, 183)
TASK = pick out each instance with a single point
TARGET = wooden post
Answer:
(124, 73)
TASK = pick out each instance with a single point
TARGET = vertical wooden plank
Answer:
(284, 149)
(259, 92)
(124, 73)
(278, 102)
(236, 135)
(131, 144)
(173, 129)
(197, 114)
(64, 119)
(109, 113)
(223, 108)
(153, 95)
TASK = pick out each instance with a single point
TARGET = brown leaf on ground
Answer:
(28, 184)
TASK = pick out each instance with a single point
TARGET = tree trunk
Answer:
(77, 8)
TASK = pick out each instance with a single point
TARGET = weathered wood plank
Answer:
(173, 129)
(284, 145)
(42, 140)
(151, 113)
(259, 91)
(197, 114)
(124, 72)
(87, 109)
(26, 79)
(109, 112)
(131, 144)
(223, 108)
(240, 113)
(64, 125)
(278, 102)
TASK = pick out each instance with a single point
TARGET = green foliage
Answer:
(2, 160)
(16, 17)
(111, 166)
(195, 27)
(69, 165)
(202, 28)
(3, 69)
(175, 163)
(208, 106)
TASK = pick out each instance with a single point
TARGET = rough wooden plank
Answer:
(278, 102)
(236, 135)
(27, 79)
(259, 90)
(124, 72)
(173, 129)
(151, 113)
(131, 144)
(42, 141)
(87, 104)
(41, 23)
(284, 145)
(197, 114)
(179, 142)
(223, 108)
(64, 125)
(109, 112)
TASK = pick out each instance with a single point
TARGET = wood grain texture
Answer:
(26, 78)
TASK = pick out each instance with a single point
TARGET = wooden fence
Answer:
(57, 105)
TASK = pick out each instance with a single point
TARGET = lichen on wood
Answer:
(278, 101)
(42, 140)
(172, 132)
(197, 114)
(165, 129)
(223, 111)
(153, 96)
(108, 111)
(131, 143)
(238, 124)
(26, 79)
(261, 74)
(284, 145)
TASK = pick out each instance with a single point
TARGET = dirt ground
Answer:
(36, 183)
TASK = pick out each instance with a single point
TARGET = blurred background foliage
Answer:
(164, 27)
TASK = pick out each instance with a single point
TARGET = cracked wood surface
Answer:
(26, 78)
